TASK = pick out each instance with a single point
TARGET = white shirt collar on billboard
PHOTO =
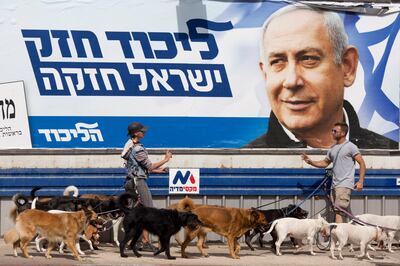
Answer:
(293, 137)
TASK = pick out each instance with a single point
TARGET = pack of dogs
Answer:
(64, 220)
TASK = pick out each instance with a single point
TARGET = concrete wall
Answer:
(184, 158)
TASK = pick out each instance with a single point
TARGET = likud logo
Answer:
(184, 181)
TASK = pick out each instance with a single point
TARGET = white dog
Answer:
(388, 221)
(116, 223)
(298, 229)
(344, 233)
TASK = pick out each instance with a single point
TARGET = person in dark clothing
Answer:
(139, 166)
(307, 62)
(276, 136)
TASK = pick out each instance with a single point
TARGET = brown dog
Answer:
(229, 222)
(54, 227)
(11, 237)
(183, 206)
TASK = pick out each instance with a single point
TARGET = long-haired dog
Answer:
(54, 227)
(162, 222)
(11, 237)
(229, 222)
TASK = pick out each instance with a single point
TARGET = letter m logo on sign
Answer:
(184, 181)
(184, 178)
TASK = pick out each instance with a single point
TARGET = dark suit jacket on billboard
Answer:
(363, 138)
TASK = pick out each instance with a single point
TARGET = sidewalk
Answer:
(109, 255)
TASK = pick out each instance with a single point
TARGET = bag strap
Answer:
(337, 155)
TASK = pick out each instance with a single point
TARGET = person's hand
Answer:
(359, 186)
(160, 170)
(305, 158)
(168, 155)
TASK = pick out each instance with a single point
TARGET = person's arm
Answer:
(320, 164)
(156, 167)
(360, 184)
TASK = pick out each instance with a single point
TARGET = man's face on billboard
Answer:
(305, 86)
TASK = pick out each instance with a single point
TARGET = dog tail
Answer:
(33, 192)
(11, 236)
(71, 189)
(20, 200)
(186, 204)
(14, 213)
(272, 226)
(33, 204)
(124, 201)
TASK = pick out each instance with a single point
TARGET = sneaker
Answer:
(148, 247)
(139, 246)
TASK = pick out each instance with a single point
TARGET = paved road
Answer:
(109, 255)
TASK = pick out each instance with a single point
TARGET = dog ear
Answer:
(255, 215)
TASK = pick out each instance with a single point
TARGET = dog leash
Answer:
(101, 213)
(350, 215)
(309, 196)
(272, 202)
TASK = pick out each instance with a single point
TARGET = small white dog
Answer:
(388, 221)
(298, 229)
(344, 233)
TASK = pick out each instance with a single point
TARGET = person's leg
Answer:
(147, 200)
(341, 199)
(338, 218)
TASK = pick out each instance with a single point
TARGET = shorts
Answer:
(341, 197)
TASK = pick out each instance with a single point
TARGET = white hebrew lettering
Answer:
(70, 83)
(105, 75)
(199, 78)
(56, 75)
(160, 79)
(142, 73)
(46, 133)
(182, 76)
(92, 75)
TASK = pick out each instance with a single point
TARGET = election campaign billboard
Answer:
(202, 74)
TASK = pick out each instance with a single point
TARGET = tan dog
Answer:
(183, 206)
(54, 227)
(11, 237)
(229, 222)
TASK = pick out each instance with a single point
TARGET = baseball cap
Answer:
(135, 127)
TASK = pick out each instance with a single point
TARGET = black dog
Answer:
(271, 215)
(162, 222)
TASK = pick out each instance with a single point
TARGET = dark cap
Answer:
(135, 127)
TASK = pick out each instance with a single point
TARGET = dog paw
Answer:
(48, 256)
(391, 250)
(172, 258)
(184, 256)
(313, 254)
(334, 258)
(124, 256)
(341, 258)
